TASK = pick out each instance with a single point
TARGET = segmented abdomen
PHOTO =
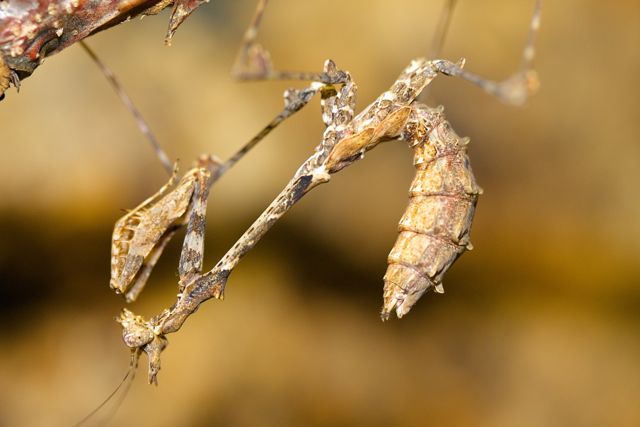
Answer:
(434, 230)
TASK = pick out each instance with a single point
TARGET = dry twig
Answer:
(31, 30)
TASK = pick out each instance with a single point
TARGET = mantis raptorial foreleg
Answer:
(193, 245)
(141, 235)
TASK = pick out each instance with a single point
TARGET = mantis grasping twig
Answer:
(434, 231)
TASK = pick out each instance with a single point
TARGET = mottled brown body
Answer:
(142, 234)
(434, 230)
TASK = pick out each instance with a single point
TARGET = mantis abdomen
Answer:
(434, 230)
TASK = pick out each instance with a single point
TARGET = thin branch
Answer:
(34, 30)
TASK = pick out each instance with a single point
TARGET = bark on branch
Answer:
(31, 30)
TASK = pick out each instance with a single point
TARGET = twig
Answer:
(34, 30)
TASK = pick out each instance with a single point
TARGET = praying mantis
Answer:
(434, 231)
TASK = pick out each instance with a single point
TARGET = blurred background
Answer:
(539, 325)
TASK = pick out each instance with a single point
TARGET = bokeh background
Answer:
(539, 325)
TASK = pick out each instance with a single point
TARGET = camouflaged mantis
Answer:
(434, 230)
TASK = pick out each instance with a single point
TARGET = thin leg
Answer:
(296, 99)
(442, 29)
(126, 100)
(515, 89)
(15, 79)
(254, 61)
(439, 36)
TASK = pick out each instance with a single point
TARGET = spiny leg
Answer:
(192, 253)
(515, 89)
(123, 233)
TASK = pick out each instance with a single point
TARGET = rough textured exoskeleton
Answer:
(141, 235)
(434, 230)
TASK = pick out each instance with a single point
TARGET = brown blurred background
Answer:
(539, 325)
